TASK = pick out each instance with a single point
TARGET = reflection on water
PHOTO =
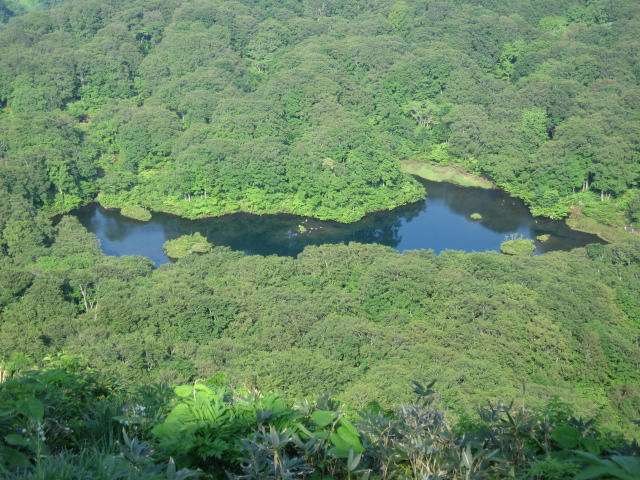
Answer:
(440, 222)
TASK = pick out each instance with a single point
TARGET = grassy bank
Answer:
(441, 173)
(579, 221)
(136, 212)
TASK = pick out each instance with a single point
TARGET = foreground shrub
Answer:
(67, 421)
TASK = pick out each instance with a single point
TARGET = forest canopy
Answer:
(358, 320)
(203, 108)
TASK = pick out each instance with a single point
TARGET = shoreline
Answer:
(575, 219)
(581, 223)
(241, 209)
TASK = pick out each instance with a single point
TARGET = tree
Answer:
(424, 112)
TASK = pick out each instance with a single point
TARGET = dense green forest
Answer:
(558, 334)
(358, 320)
(202, 108)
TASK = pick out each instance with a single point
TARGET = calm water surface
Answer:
(440, 222)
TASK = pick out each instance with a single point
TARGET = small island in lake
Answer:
(136, 212)
(517, 245)
(187, 245)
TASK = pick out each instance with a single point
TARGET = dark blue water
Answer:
(440, 222)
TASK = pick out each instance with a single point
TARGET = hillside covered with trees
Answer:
(558, 334)
(201, 108)
(358, 320)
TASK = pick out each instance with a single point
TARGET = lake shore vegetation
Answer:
(517, 245)
(358, 320)
(136, 212)
(443, 173)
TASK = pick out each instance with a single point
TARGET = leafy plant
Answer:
(267, 455)
(616, 466)
(208, 424)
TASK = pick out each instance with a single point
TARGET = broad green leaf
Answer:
(183, 390)
(323, 417)
(203, 388)
(15, 439)
(174, 422)
(11, 385)
(567, 436)
(349, 426)
(350, 439)
(592, 459)
(353, 460)
(31, 383)
(340, 442)
(31, 408)
(12, 457)
(628, 464)
(347, 436)
(603, 471)
(339, 452)
(591, 445)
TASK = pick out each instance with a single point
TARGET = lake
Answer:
(440, 222)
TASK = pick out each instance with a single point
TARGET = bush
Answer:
(241, 435)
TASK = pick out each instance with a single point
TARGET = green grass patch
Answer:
(443, 173)
(578, 221)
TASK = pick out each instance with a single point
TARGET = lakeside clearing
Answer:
(442, 173)
(580, 222)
